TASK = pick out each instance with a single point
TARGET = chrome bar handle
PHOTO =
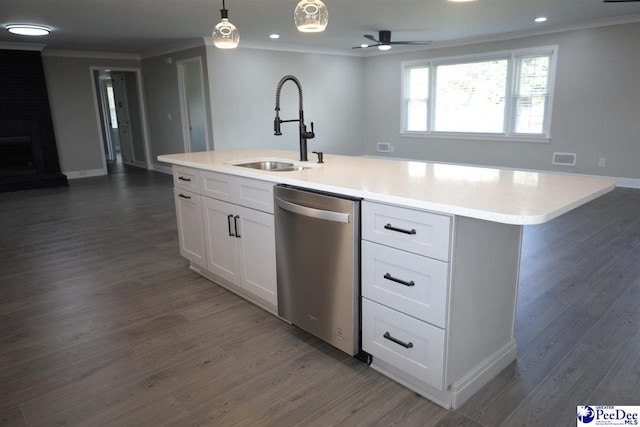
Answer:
(314, 213)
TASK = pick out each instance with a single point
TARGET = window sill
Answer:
(476, 137)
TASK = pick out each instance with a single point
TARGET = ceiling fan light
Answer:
(28, 29)
(225, 35)
(311, 16)
(384, 47)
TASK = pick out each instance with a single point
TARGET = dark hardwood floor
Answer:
(101, 323)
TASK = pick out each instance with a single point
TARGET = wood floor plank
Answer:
(12, 417)
(151, 414)
(621, 385)
(550, 404)
(102, 323)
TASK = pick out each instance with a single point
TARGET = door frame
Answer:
(142, 111)
(106, 116)
(184, 108)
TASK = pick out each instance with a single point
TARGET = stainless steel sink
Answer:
(273, 166)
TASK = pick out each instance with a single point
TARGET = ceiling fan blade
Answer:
(367, 46)
(411, 42)
(370, 37)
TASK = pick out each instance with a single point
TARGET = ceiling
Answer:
(147, 26)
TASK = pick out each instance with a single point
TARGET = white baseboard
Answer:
(627, 182)
(466, 387)
(85, 173)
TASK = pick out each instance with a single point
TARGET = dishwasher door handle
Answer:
(314, 213)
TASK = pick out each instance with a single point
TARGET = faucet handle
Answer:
(311, 134)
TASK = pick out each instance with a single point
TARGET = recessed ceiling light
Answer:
(540, 19)
(274, 36)
(28, 29)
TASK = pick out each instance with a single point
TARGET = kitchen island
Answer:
(438, 297)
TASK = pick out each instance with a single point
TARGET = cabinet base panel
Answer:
(271, 308)
(459, 392)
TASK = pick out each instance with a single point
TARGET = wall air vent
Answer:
(564, 159)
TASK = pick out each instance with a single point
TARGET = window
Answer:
(506, 94)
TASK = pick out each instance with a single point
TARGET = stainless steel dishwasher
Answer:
(318, 264)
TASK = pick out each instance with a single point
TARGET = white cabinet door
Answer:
(222, 244)
(257, 253)
(190, 226)
(241, 247)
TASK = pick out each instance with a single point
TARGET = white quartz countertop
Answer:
(500, 195)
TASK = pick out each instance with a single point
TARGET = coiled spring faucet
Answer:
(304, 135)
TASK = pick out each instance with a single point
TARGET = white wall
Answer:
(243, 86)
(596, 111)
(163, 100)
(73, 111)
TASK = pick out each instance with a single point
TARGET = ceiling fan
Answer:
(383, 42)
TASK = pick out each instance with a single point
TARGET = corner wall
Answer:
(163, 101)
(73, 111)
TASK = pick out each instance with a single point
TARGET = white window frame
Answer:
(512, 79)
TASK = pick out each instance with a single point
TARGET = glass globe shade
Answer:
(311, 16)
(225, 35)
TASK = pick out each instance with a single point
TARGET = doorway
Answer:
(192, 105)
(122, 122)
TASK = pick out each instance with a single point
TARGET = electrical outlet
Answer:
(602, 162)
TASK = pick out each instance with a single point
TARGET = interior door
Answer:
(124, 121)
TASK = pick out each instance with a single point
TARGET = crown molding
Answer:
(605, 22)
(90, 54)
(175, 47)
(22, 46)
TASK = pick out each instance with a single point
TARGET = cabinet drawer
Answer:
(420, 232)
(248, 192)
(410, 283)
(217, 185)
(410, 345)
(186, 178)
(254, 194)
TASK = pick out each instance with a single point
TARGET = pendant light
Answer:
(311, 16)
(225, 34)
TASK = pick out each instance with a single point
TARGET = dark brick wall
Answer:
(23, 96)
